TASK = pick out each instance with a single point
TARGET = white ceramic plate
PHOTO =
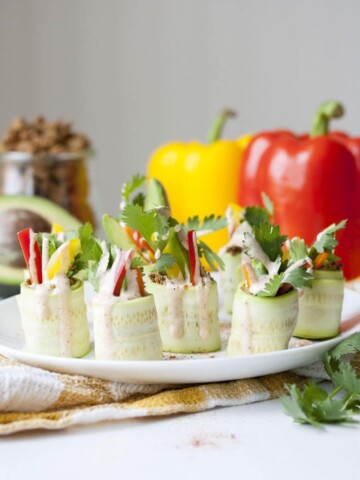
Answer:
(177, 368)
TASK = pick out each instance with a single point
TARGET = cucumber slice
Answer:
(230, 278)
(188, 317)
(53, 325)
(320, 307)
(262, 324)
(126, 330)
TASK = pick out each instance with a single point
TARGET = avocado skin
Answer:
(18, 212)
(155, 195)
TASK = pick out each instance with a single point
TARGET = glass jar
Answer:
(62, 178)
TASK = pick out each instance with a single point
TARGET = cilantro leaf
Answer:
(272, 286)
(297, 249)
(338, 366)
(293, 405)
(259, 267)
(129, 187)
(211, 257)
(210, 223)
(298, 278)
(165, 262)
(255, 216)
(91, 251)
(269, 238)
(314, 406)
(147, 223)
(137, 262)
(139, 199)
(326, 240)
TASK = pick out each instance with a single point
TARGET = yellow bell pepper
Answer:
(201, 179)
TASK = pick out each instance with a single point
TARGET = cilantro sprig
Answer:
(263, 247)
(130, 187)
(322, 250)
(210, 223)
(152, 225)
(90, 251)
(315, 406)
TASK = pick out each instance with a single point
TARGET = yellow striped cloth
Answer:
(32, 398)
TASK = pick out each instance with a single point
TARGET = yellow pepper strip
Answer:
(63, 257)
(201, 179)
(56, 228)
(246, 276)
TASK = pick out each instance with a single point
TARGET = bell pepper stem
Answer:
(327, 111)
(217, 127)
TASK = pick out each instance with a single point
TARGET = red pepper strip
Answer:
(24, 240)
(123, 261)
(194, 258)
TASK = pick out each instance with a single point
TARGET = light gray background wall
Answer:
(137, 73)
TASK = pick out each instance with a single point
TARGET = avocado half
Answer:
(18, 212)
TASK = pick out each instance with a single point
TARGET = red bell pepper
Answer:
(24, 240)
(123, 265)
(194, 258)
(312, 181)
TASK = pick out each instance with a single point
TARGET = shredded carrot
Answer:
(130, 232)
(139, 241)
(320, 260)
(140, 281)
(247, 276)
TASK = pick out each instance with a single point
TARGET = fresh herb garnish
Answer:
(129, 187)
(90, 251)
(322, 251)
(152, 225)
(313, 405)
(269, 269)
(326, 240)
(164, 263)
(270, 239)
(255, 215)
(210, 223)
(210, 256)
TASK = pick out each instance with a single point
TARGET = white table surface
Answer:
(251, 441)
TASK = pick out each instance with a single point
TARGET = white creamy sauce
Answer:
(106, 303)
(176, 313)
(109, 278)
(32, 257)
(42, 300)
(61, 236)
(132, 290)
(62, 288)
(202, 297)
(237, 237)
(157, 254)
(175, 294)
